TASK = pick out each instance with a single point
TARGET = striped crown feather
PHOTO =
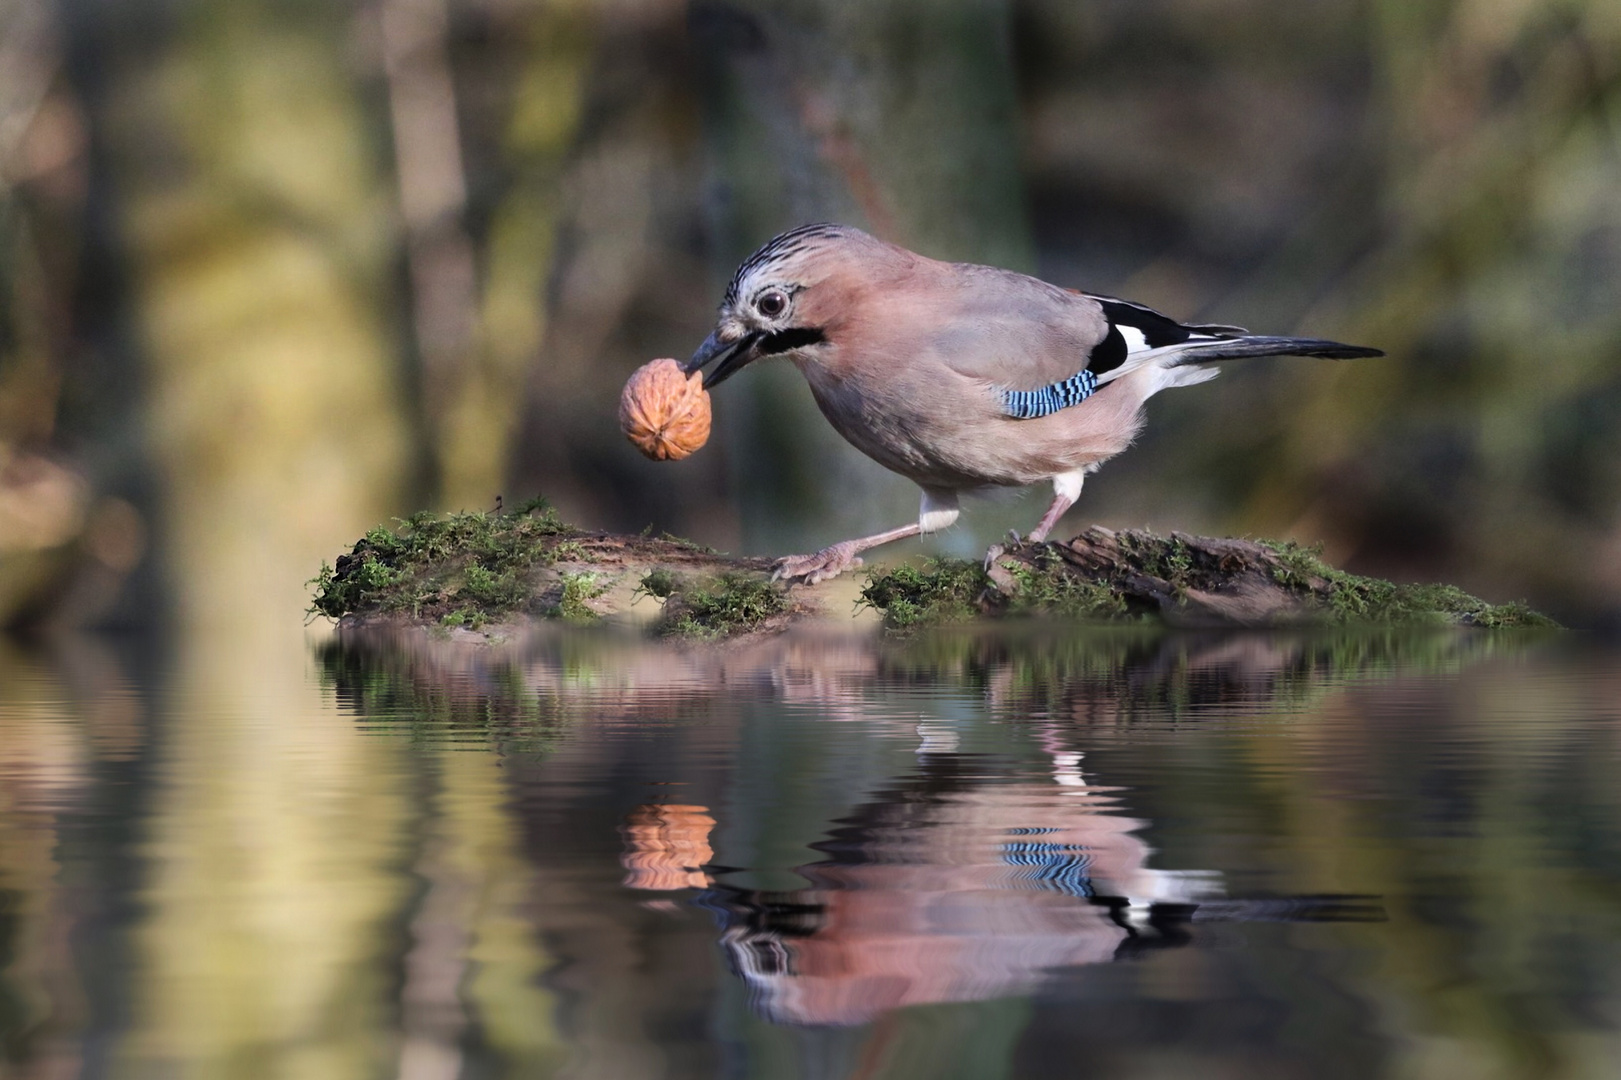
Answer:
(779, 247)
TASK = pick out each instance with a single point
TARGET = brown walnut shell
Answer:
(665, 411)
(666, 844)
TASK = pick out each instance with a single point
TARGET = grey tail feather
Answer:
(1239, 348)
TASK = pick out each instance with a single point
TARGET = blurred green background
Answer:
(273, 272)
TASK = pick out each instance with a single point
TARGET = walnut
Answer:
(666, 846)
(665, 411)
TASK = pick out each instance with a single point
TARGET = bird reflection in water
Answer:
(948, 888)
(942, 889)
(968, 876)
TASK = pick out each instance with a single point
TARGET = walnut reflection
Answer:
(665, 846)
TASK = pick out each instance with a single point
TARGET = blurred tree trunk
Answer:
(626, 282)
(254, 226)
(433, 205)
(29, 371)
(900, 116)
(506, 961)
(708, 128)
(47, 763)
(473, 975)
(46, 503)
(521, 86)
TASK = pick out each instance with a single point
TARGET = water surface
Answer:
(1026, 853)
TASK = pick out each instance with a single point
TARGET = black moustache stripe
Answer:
(788, 340)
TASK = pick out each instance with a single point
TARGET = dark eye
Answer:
(771, 303)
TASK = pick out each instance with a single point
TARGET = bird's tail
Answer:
(1208, 350)
(1216, 348)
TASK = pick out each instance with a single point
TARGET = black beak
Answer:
(732, 356)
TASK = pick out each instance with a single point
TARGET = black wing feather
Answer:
(1157, 331)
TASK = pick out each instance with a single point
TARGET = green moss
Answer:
(438, 567)
(955, 590)
(1038, 580)
(681, 541)
(659, 583)
(719, 607)
(566, 551)
(469, 618)
(577, 590)
(1298, 567)
(492, 590)
(1166, 558)
(941, 591)
(1051, 587)
(1350, 598)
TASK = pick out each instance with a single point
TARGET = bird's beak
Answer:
(733, 355)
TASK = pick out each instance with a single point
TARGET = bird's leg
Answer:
(1064, 496)
(1066, 489)
(1060, 504)
(832, 561)
(938, 510)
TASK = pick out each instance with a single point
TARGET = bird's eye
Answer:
(771, 303)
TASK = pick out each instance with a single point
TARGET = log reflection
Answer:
(949, 869)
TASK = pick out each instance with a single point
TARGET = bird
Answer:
(958, 376)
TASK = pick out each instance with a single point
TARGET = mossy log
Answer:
(1190, 581)
(481, 571)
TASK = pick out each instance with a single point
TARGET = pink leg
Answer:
(832, 561)
(1060, 504)
(1066, 489)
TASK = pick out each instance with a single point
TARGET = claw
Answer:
(828, 563)
(994, 552)
(828, 573)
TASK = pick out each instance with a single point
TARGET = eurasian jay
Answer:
(957, 376)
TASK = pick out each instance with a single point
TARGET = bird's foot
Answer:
(996, 551)
(1013, 544)
(830, 562)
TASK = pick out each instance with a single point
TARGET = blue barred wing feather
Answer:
(1029, 404)
(1133, 329)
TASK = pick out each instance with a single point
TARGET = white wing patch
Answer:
(1135, 340)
